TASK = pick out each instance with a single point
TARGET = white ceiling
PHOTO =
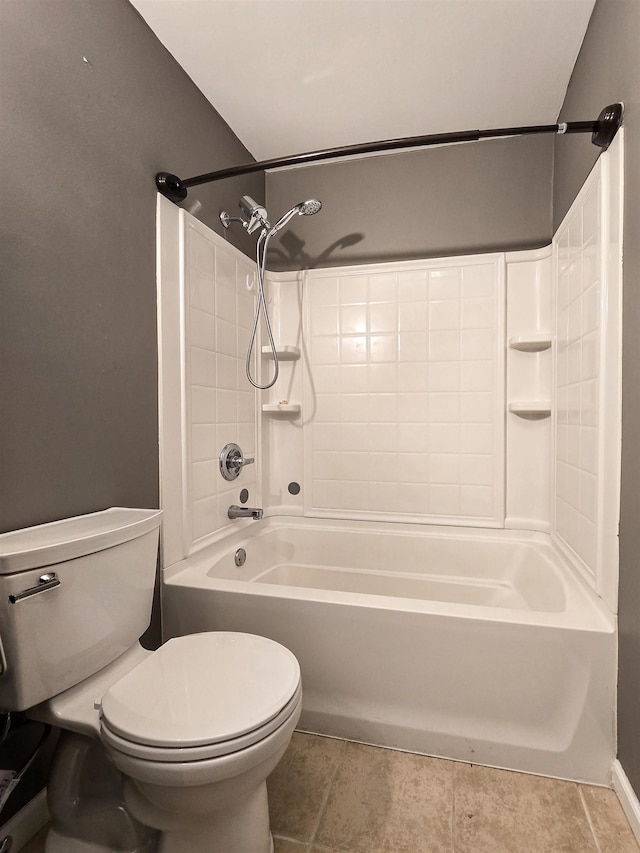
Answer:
(291, 76)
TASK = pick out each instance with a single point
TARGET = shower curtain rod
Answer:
(602, 132)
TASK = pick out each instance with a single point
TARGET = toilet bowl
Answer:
(225, 810)
(194, 728)
(162, 752)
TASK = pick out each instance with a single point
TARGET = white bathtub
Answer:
(481, 646)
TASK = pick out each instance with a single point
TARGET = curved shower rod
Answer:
(602, 130)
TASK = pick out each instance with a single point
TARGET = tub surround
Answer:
(391, 400)
(441, 431)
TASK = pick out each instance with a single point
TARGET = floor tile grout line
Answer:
(278, 835)
(588, 816)
(325, 799)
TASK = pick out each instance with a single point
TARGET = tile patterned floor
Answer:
(333, 796)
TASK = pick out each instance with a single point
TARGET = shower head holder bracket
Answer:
(227, 219)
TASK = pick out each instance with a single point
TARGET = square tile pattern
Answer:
(578, 335)
(407, 391)
(221, 405)
(335, 796)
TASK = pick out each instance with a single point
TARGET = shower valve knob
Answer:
(232, 461)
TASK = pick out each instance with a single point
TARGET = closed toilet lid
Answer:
(202, 689)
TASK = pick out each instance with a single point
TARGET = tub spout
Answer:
(244, 512)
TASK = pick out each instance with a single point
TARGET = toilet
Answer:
(162, 751)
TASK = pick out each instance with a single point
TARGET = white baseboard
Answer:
(627, 796)
(27, 822)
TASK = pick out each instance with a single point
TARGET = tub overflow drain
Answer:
(240, 557)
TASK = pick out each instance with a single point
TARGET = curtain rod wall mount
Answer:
(603, 131)
(608, 124)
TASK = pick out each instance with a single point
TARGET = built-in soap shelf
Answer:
(531, 342)
(289, 409)
(536, 342)
(286, 352)
(531, 409)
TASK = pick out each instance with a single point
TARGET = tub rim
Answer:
(584, 610)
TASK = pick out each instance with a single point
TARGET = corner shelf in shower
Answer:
(289, 409)
(532, 409)
(286, 352)
(537, 342)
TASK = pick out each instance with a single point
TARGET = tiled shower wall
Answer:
(399, 410)
(220, 404)
(395, 408)
(407, 392)
(579, 290)
(587, 414)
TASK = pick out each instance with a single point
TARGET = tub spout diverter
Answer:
(244, 512)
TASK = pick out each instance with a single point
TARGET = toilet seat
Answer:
(199, 753)
(201, 696)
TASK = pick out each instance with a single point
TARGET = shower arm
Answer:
(603, 130)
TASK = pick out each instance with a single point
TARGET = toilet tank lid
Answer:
(47, 544)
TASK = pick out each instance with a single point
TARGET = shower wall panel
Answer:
(587, 376)
(579, 291)
(220, 401)
(404, 397)
(529, 356)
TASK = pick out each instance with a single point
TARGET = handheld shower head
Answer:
(259, 214)
(309, 207)
(303, 208)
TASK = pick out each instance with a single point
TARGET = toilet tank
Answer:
(57, 631)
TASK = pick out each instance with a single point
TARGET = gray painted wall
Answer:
(477, 197)
(607, 70)
(81, 144)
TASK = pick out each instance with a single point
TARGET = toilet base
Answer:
(239, 828)
(92, 808)
(56, 843)
(86, 803)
